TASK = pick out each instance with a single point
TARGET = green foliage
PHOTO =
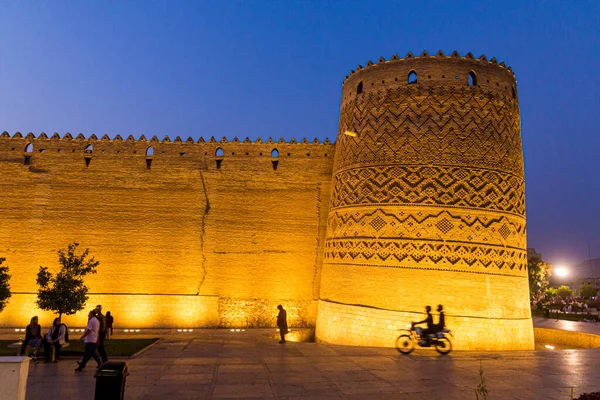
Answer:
(481, 387)
(587, 291)
(549, 292)
(65, 293)
(564, 291)
(4, 285)
(539, 275)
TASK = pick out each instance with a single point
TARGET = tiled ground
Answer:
(219, 364)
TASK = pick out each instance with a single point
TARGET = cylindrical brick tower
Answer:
(427, 205)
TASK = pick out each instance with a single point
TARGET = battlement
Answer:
(453, 71)
(92, 138)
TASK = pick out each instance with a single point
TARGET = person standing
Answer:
(109, 324)
(54, 341)
(102, 333)
(33, 339)
(282, 323)
(90, 337)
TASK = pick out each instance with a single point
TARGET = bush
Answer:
(564, 291)
(589, 396)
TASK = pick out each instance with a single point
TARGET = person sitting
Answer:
(429, 321)
(55, 339)
(441, 322)
(33, 339)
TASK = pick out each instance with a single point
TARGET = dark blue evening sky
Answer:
(251, 68)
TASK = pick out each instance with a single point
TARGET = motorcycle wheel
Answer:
(405, 344)
(443, 345)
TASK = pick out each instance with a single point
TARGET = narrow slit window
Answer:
(275, 164)
(87, 161)
(472, 79)
(359, 88)
(219, 164)
(514, 93)
(27, 160)
(412, 77)
(148, 163)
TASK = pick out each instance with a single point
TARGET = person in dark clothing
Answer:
(101, 333)
(54, 341)
(109, 324)
(428, 320)
(441, 322)
(33, 339)
(282, 323)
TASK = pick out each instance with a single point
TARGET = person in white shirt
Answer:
(90, 338)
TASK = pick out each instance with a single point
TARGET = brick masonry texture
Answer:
(425, 204)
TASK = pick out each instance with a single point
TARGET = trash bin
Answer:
(110, 381)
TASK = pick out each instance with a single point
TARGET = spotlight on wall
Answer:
(126, 330)
(350, 133)
(137, 330)
(549, 347)
(17, 330)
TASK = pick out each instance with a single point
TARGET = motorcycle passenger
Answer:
(429, 321)
(441, 322)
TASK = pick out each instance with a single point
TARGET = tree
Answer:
(4, 285)
(539, 273)
(549, 292)
(586, 291)
(65, 293)
(564, 291)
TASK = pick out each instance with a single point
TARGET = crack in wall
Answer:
(202, 233)
(316, 265)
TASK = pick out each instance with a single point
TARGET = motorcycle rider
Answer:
(424, 332)
(441, 322)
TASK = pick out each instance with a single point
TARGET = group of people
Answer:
(54, 340)
(431, 327)
(99, 327)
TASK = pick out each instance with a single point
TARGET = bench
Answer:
(19, 344)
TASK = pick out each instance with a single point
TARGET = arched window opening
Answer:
(150, 151)
(219, 152)
(359, 88)
(29, 148)
(472, 79)
(89, 149)
(275, 153)
(514, 93)
(412, 77)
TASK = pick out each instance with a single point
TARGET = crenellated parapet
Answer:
(455, 72)
(30, 148)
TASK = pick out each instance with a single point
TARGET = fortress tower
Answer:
(427, 205)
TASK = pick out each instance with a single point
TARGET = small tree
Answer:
(564, 291)
(549, 292)
(4, 285)
(65, 293)
(587, 291)
(539, 273)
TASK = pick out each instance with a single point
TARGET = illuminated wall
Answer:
(427, 205)
(182, 241)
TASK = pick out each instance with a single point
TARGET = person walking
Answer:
(282, 323)
(109, 325)
(89, 338)
(101, 333)
(54, 341)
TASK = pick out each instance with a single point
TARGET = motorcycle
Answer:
(411, 338)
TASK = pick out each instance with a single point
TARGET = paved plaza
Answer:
(219, 364)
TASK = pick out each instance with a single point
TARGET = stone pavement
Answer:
(219, 364)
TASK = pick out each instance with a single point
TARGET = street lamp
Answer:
(561, 272)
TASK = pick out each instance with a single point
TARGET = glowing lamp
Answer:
(17, 330)
(561, 272)
(137, 330)
(178, 330)
(549, 347)
(126, 330)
